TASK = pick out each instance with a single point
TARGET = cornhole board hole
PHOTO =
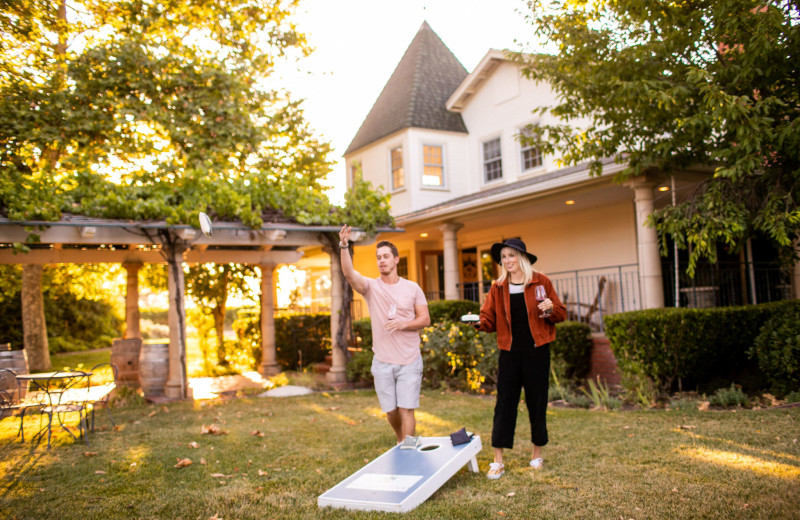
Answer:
(400, 480)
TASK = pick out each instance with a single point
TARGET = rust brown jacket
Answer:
(496, 312)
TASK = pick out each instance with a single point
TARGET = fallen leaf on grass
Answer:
(165, 409)
(261, 473)
(203, 461)
(257, 433)
(152, 413)
(99, 472)
(215, 517)
(686, 427)
(510, 494)
(193, 444)
(333, 408)
(182, 463)
(501, 513)
(212, 429)
(220, 475)
(89, 453)
(703, 406)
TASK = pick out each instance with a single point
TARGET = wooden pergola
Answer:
(82, 240)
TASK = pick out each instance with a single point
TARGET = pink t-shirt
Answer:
(400, 347)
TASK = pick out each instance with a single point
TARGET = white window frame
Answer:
(495, 158)
(392, 169)
(443, 184)
(526, 132)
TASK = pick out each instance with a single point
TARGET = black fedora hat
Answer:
(513, 243)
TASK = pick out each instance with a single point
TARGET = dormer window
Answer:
(432, 166)
(398, 173)
(492, 160)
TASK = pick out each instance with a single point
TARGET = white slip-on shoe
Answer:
(537, 463)
(496, 470)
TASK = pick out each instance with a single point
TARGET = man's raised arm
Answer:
(357, 281)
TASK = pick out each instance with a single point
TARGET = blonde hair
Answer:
(524, 265)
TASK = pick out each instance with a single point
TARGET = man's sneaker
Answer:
(496, 470)
(410, 443)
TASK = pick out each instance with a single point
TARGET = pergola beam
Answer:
(118, 256)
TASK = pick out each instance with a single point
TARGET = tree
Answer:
(211, 284)
(676, 85)
(155, 110)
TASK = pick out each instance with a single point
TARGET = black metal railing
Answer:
(728, 283)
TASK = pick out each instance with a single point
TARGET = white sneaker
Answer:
(496, 470)
(537, 463)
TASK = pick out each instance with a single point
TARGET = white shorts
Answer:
(397, 386)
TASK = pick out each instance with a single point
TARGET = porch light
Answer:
(423, 235)
(569, 202)
(663, 188)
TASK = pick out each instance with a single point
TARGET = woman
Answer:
(524, 332)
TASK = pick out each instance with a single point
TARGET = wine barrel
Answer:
(16, 360)
(125, 355)
(153, 368)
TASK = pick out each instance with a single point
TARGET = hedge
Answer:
(456, 356)
(691, 348)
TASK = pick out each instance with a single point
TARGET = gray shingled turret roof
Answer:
(416, 93)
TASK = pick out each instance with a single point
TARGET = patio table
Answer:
(60, 393)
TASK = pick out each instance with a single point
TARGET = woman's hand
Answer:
(546, 305)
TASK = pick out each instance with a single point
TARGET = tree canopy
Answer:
(671, 86)
(155, 110)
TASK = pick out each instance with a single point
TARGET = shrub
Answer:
(573, 346)
(300, 339)
(451, 310)
(727, 397)
(691, 346)
(777, 349)
(360, 365)
(458, 356)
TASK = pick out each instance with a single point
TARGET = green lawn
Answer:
(631, 464)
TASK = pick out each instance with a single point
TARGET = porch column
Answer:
(132, 330)
(337, 373)
(269, 358)
(647, 240)
(451, 271)
(176, 387)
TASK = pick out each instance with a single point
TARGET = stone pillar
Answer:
(337, 373)
(451, 271)
(132, 330)
(647, 240)
(269, 358)
(177, 383)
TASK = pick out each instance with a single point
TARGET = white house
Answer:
(443, 142)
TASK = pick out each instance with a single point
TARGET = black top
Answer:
(520, 328)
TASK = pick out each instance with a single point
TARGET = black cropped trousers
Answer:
(521, 367)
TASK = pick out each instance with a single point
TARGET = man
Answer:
(398, 310)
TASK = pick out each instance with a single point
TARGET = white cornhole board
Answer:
(400, 480)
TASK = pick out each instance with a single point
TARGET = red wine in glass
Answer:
(541, 295)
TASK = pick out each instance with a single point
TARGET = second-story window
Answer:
(398, 173)
(531, 156)
(492, 160)
(432, 166)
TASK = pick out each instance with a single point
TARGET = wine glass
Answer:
(541, 295)
(392, 314)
